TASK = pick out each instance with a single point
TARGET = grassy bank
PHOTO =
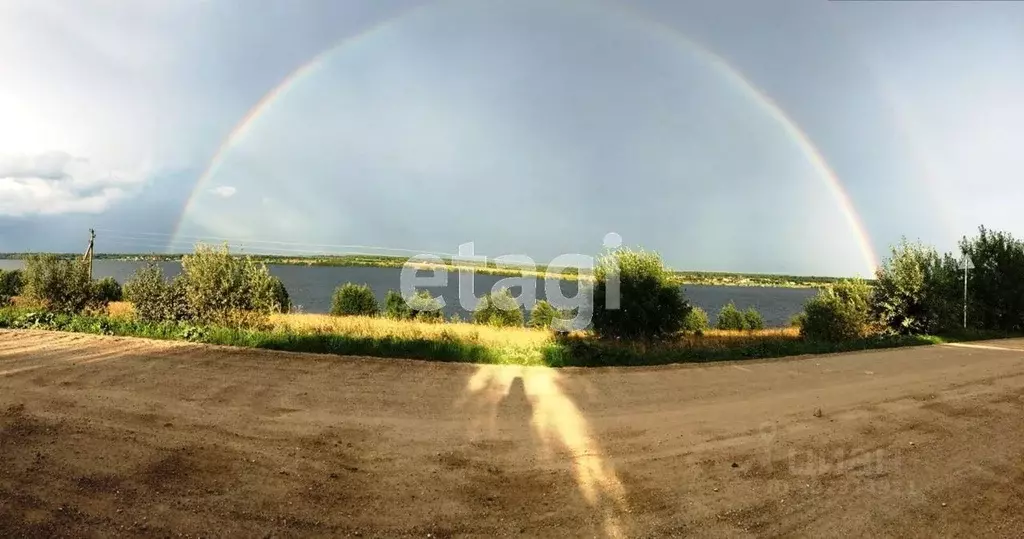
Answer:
(458, 342)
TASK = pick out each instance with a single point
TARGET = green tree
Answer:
(396, 307)
(914, 290)
(425, 307)
(838, 313)
(61, 284)
(420, 306)
(996, 284)
(731, 318)
(354, 300)
(696, 320)
(10, 283)
(752, 320)
(225, 289)
(281, 300)
(543, 314)
(498, 309)
(106, 290)
(154, 299)
(635, 296)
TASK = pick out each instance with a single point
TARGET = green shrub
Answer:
(650, 304)
(752, 320)
(106, 290)
(10, 282)
(916, 290)
(731, 318)
(545, 315)
(219, 287)
(143, 289)
(176, 303)
(354, 300)
(797, 320)
(396, 307)
(61, 284)
(154, 299)
(498, 309)
(542, 315)
(281, 302)
(420, 306)
(696, 320)
(839, 313)
(425, 308)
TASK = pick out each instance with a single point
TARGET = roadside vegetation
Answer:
(220, 298)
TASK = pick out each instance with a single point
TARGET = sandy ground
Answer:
(128, 437)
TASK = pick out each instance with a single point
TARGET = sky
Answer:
(793, 136)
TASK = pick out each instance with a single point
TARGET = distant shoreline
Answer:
(707, 278)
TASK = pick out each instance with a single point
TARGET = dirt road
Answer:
(112, 436)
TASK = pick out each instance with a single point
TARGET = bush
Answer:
(797, 320)
(542, 315)
(396, 307)
(154, 299)
(61, 284)
(281, 302)
(915, 290)
(752, 320)
(354, 300)
(219, 287)
(10, 283)
(425, 307)
(650, 304)
(106, 290)
(731, 318)
(498, 309)
(145, 290)
(420, 306)
(839, 313)
(696, 320)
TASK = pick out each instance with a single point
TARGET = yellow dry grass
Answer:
(790, 332)
(120, 309)
(365, 326)
(521, 338)
(726, 339)
(26, 302)
(518, 338)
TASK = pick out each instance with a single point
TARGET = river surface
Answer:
(310, 288)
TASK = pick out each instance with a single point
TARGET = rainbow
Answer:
(803, 142)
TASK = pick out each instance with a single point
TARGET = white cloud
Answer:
(57, 182)
(224, 191)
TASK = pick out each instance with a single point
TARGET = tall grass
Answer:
(459, 342)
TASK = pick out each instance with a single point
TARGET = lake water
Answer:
(310, 288)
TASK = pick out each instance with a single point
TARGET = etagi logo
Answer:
(577, 310)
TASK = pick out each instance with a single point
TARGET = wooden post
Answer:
(89, 251)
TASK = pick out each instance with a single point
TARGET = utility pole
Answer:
(89, 251)
(967, 264)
